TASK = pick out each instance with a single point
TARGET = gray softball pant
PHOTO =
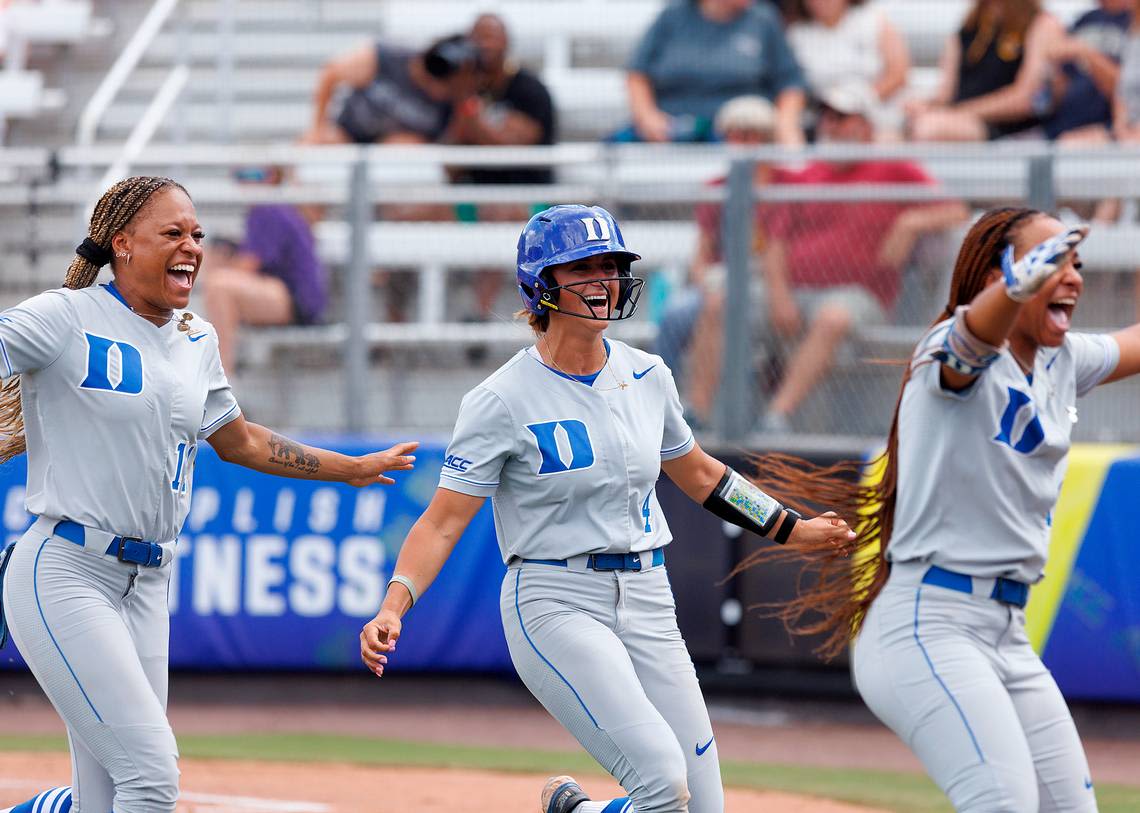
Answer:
(94, 632)
(953, 674)
(602, 652)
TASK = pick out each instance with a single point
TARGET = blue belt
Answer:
(608, 561)
(1007, 591)
(129, 549)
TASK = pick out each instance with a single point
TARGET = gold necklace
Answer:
(621, 385)
(183, 320)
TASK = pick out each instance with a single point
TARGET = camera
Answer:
(447, 57)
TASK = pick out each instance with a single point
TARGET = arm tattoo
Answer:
(291, 454)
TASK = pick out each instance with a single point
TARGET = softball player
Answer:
(568, 438)
(961, 518)
(117, 386)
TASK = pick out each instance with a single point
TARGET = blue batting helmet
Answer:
(562, 234)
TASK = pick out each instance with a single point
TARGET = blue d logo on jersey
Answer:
(555, 439)
(112, 365)
(1031, 435)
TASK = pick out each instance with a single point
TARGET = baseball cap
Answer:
(751, 113)
(850, 99)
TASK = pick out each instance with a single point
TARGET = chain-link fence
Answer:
(783, 289)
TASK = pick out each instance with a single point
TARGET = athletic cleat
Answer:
(561, 794)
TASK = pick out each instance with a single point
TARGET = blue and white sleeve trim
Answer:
(679, 451)
(229, 415)
(472, 488)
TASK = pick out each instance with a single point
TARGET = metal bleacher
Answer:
(265, 76)
(26, 28)
(252, 66)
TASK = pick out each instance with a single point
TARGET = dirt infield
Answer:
(214, 786)
(461, 711)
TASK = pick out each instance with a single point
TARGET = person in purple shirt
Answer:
(274, 277)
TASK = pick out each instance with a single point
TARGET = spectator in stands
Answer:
(744, 121)
(513, 107)
(993, 72)
(696, 56)
(273, 277)
(1085, 66)
(1126, 99)
(830, 267)
(1086, 70)
(395, 95)
(1126, 102)
(826, 267)
(837, 42)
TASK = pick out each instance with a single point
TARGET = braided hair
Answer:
(114, 212)
(833, 593)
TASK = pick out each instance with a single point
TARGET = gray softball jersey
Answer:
(113, 408)
(980, 470)
(571, 467)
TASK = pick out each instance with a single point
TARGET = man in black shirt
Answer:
(513, 107)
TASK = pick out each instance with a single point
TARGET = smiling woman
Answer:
(164, 240)
(110, 388)
(955, 528)
(568, 438)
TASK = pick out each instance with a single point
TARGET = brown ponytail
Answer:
(833, 593)
(114, 212)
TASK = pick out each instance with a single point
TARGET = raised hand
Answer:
(1025, 277)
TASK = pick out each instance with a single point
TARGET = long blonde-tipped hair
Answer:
(833, 593)
(113, 213)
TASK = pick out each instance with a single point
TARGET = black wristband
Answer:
(791, 517)
(738, 501)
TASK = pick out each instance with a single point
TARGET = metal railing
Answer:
(636, 178)
(121, 70)
(143, 131)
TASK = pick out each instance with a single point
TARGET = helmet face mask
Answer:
(553, 297)
(564, 234)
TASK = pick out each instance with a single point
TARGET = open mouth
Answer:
(599, 303)
(1061, 313)
(182, 275)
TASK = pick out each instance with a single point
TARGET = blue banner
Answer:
(1093, 648)
(275, 573)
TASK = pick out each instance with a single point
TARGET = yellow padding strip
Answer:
(1088, 465)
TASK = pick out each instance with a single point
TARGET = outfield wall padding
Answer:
(277, 574)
